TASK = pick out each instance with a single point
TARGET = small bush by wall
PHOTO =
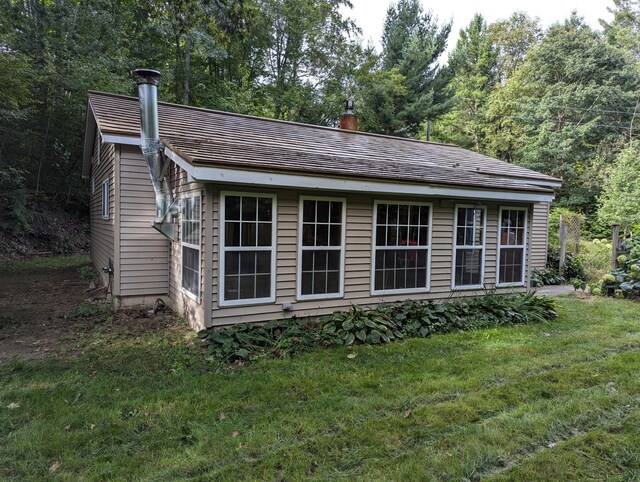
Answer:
(383, 324)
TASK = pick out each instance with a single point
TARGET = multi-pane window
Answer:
(402, 241)
(105, 199)
(248, 248)
(321, 248)
(511, 245)
(468, 249)
(190, 237)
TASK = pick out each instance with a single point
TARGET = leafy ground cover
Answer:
(137, 399)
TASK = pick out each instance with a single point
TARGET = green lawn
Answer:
(546, 402)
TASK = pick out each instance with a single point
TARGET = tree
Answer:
(472, 64)
(575, 93)
(412, 42)
(620, 199)
(309, 41)
(512, 38)
(624, 30)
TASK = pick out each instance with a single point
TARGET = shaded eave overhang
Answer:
(288, 180)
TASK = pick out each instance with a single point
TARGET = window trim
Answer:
(188, 293)
(106, 199)
(523, 246)
(222, 250)
(481, 285)
(429, 248)
(342, 248)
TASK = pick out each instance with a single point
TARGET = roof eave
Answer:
(90, 129)
(288, 180)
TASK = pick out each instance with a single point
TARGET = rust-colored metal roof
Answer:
(209, 138)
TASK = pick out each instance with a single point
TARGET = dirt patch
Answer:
(32, 308)
(46, 311)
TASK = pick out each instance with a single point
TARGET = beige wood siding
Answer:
(190, 309)
(357, 262)
(144, 252)
(102, 230)
(539, 235)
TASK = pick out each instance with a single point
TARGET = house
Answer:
(230, 218)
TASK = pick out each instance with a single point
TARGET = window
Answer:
(468, 244)
(190, 236)
(105, 199)
(321, 248)
(511, 246)
(247, 240)
(402, 247)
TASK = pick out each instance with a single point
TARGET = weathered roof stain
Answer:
(209, 138)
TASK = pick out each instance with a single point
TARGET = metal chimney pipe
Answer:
(147, 80)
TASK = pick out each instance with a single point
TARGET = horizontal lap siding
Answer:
(190, 309)
(357, 260)
(539, 235)
(102, 230)
(143, 250)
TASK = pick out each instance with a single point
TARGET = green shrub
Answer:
(546, 277)
(625, 281)
(383, 324)
(278, 338)
(596, 257)
(363, 326)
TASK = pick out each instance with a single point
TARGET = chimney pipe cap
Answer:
(349, 105)
(147, 76)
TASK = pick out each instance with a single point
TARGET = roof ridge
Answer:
(280, 121)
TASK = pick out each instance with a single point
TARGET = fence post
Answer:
(615, 244)
(562, 235)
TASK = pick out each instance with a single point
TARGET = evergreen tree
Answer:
(472, 64)
(412, 42)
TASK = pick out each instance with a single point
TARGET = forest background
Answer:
(563, 100)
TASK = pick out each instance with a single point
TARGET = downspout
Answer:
(158, 165)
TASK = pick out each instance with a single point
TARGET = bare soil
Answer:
(52, 311)
(32, 307)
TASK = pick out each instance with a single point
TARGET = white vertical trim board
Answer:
(456, 247)
(105, 199)
(301, 248)
(523, 246)
(375, 248)
(223, 249)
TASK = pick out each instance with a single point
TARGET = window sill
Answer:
(468, 288)
(511, 285)
(249, 302)
(401, 292)
(330, 296)
(190, 295)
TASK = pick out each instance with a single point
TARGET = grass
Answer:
(44, 262)
(554, 401)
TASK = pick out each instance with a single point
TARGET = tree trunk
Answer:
(187, 71)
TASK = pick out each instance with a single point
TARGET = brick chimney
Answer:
(348, 120)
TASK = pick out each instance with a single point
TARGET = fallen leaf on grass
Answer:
(234, 434)
(54, 468)
(67, 427)
(13, 405)
(352, 355)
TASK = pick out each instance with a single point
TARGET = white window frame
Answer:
(198, 247)
(374, 248)
(512, 246)
(301, 248)
(105, 199)
(456, 247)
(222, 251)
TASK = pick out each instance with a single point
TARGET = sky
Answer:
(369, 14)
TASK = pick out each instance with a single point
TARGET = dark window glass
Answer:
(322, 228)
